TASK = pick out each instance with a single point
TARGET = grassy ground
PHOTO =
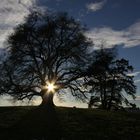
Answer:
(36, 123)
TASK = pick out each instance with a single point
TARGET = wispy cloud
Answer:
(96, 6)
(137, 97)
(134, 73)
(129, 37)
(137, 81)
(12, 13)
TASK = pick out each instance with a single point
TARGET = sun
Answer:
(50, 87)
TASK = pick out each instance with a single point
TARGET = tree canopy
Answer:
(49, 53)
(109, 79)
(46, 49)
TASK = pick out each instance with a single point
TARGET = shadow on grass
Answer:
(41, 123)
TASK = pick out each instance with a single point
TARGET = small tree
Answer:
(45, 56)
(108, 77)
(120, 83)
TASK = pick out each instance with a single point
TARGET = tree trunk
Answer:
(110, 102)
(47, 98)
(103, 97)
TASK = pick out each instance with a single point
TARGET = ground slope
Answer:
(39, 123)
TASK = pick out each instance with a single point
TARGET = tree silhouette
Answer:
(108, 78)
(45, 55)
(120, 82)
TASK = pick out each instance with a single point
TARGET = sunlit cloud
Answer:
(134, 73)
(96, 6)
(137, 97)
(129, 37)
(137, 81)
(12, 12)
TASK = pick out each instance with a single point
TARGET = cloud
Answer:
(96, 6)
(12, 12)
(137, 97)
(137, 81)
(129, 37)
(134, 73)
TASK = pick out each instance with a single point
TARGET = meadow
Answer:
(62, 123)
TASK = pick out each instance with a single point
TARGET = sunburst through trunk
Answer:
(47, 93)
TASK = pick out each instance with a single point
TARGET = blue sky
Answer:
(116, 22)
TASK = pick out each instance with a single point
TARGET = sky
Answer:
(115, 22)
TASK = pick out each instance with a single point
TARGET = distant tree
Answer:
(93, 101)
(45, 55)
(108, 78)
(133, 106)
(120, 83)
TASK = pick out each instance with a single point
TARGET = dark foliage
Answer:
(109, 79)
(45, 48)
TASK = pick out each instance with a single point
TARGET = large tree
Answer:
(108, 78)
(45, 55)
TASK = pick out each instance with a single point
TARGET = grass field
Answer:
(38, 123)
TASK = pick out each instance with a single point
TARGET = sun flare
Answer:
(51, 87)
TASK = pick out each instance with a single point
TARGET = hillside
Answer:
(36, 123)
